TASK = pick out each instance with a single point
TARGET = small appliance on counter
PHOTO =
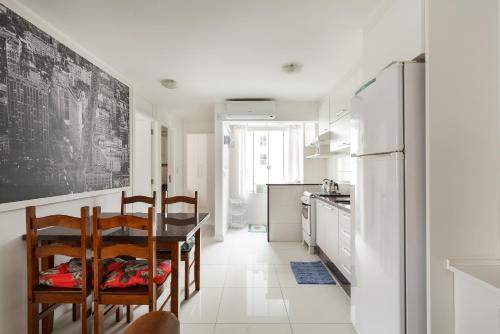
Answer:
(330, 186)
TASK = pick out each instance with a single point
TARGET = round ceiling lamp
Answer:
(169, 83)
(292, 67)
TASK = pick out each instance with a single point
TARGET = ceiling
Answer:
(217, 49)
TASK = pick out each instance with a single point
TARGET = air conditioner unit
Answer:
(250, 110)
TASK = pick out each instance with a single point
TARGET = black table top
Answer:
(173, 227)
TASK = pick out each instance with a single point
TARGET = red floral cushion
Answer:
(135, 273)
(65, 275)
(69, 274)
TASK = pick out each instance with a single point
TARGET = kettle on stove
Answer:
(329, 186)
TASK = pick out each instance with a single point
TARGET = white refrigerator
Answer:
(388, 145)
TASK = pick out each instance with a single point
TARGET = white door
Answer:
(142, 163)
(377, 114)
(377, 299)
(199, 161)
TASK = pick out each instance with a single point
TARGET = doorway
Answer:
(259, 154)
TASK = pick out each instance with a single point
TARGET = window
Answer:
(264, 157)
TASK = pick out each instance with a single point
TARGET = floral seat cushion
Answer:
(69, 274)
(135, 273)
(65, 275)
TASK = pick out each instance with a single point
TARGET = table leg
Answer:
(174, 285)
(197, 260)
(48, 321)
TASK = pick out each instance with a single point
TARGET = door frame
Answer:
(139, 114)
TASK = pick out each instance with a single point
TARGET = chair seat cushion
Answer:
(65, 275)
(135, 273)
(188, 245)
(69, 274)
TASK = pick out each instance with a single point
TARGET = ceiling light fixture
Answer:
(169, 83)
(292, 67)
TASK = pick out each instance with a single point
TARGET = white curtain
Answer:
(242, 165)
(239, 179)
(293, 154)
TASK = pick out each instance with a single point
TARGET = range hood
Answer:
(318, 151)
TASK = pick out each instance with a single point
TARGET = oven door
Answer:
(306, 218)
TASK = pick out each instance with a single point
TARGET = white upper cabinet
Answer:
(324, 116)
(339, 106)
(310, 133)
(340, 134)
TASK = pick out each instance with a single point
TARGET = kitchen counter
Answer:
(284, 210)
(485, 272)
(293, 184)
(476, 285)
(342, 206)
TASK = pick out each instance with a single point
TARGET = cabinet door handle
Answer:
(341, 112)
(346, 269)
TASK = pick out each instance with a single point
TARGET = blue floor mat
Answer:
(311, 273)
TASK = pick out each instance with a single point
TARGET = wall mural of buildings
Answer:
(64, 122)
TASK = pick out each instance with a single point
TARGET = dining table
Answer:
(170, 231)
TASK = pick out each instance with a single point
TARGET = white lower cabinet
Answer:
(333, 235)
(345, 243)
(321, 221)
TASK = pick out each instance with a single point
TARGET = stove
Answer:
(308, 212)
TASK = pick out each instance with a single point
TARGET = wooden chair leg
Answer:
(76, 312)
(130, 313)
(85, 315)
(33, 322)
(187, 270)
(118, 313)
(98, 318)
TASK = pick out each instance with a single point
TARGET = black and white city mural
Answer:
(64, 122)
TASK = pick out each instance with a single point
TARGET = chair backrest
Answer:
(165, 201)
(36, 251)
(136, 199)
(103, 251)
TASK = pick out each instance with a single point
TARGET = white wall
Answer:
(396, 32)
(340, 169)
(199, 125)
(315, 170)
(462, 143)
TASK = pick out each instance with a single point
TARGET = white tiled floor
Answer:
(249, 288)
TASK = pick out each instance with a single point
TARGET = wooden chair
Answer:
(136, 199)
(123, 210)
(187, 248)
(137, 295)
(50, 297)
(158, 322)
